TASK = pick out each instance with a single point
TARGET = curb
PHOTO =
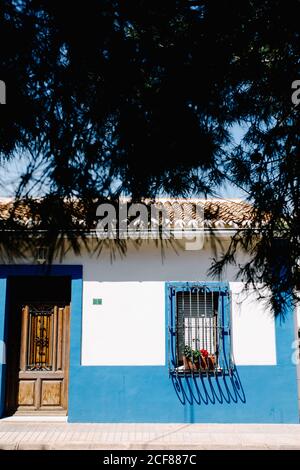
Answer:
(139, 446)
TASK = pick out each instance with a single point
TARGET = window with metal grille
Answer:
(199, 329)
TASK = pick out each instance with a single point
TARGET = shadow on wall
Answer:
(209, 389)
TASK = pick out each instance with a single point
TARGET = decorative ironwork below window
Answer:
(199, 328)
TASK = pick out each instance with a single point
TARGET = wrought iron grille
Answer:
(198, 328)
(40, 337)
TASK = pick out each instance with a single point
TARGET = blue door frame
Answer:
(72, 271)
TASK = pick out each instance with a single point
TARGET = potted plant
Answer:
(207, 361)
(211, 362)
(195, 359)
(203, 359)
(189, 359)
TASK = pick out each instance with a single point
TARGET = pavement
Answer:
(43, 435)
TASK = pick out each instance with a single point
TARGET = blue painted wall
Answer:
(254, 394)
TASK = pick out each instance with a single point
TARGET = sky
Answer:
(229, 190)
(10, 173)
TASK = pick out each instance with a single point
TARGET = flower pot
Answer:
(211, 362)
(208, 362)
(189, 364)
(204, 363)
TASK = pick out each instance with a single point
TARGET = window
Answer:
(199, 330)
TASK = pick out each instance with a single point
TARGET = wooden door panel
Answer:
(51, 393)
(26, 392)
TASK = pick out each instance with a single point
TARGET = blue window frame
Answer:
(199, 327)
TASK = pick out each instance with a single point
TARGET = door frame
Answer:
(72, 271)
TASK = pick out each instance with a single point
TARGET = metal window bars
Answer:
(198, 329)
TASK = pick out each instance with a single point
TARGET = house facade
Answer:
(145, 337)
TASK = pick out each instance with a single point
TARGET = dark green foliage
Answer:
(188, 352)
(140, 97)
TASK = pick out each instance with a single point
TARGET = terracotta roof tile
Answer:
(217, 213)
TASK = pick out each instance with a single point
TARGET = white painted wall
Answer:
(253, 328)
(129, 327)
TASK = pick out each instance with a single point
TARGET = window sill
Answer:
(181, 371)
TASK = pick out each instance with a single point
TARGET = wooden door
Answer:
(38, 369)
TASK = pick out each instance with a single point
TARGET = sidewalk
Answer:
(57, 435)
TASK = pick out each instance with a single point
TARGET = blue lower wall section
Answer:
(147, 394)
(254, 394)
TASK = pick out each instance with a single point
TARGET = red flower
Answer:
(204, 352)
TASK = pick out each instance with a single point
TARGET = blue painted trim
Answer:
(75, 271)
(72, 271)
(212, 286)
(76, 325)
